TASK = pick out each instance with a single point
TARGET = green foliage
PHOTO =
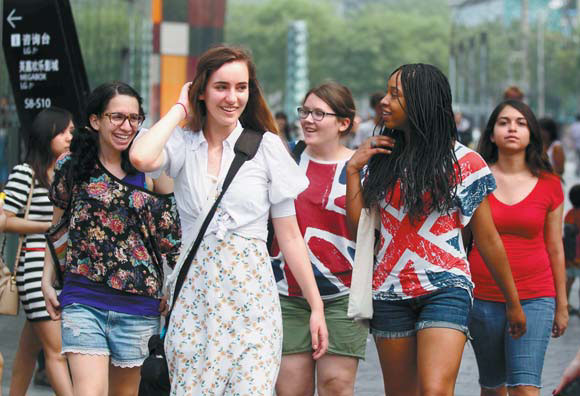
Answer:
(113, 40)
(357, 46)
(561, 65)
(562, 62)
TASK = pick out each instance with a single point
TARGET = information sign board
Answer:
(43, 57)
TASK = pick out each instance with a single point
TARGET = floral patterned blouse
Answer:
(118, 233)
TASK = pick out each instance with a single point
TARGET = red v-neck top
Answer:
(521, 227)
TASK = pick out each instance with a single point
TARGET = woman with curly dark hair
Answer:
(526, 186)
(426, 187)
(119, 235)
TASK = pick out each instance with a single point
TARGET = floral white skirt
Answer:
(225, 335)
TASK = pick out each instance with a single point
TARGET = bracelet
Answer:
(184, 108)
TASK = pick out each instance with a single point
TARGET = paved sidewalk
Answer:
(10, 327)
(560, 352)
(369, 379)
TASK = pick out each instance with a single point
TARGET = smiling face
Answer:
(112, 136)
(61, 143)
(393, 105)
(226, 95)
(511, 132)
(328, 130)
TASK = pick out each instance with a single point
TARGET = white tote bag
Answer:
(360, 302)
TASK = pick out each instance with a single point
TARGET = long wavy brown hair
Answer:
(256, 115)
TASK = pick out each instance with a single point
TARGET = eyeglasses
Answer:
(118, 119)
(317, 115)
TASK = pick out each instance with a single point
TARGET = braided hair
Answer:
(424, 160)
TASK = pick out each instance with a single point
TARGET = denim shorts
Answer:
(501, 359)
(445, 308)
(91, 331)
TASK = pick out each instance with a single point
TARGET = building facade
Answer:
(498, 43)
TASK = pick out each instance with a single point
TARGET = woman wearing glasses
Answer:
(326, 116)
(119, 234)
(225, 331)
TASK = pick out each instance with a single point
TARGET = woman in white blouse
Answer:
(225, 332)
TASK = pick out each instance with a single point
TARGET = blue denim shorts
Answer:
(92, 331)
(445, 308)
(501, 359)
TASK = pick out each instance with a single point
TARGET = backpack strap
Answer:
(298, 149)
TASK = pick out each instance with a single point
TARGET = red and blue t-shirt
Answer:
(321, 215)
(421, 257)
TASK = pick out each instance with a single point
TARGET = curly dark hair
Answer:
(574, 196)
(536, 159)
(424, 160)
(84, 146)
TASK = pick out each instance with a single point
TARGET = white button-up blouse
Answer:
(269, 183)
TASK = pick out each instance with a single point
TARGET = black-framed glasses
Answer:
(317, 115)
(117, 119)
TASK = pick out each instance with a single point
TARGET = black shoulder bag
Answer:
(154, 372)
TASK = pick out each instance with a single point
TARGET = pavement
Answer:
(369, 378)
(561, 351)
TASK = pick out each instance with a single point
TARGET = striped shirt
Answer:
(31, 263)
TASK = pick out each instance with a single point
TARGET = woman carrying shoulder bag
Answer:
(52, 129)
(225, 332)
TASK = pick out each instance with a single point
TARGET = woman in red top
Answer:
(527, 210)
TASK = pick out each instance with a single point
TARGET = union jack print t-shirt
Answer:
(421, 257)
(321, 215)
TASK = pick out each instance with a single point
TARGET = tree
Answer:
(356, 46)
(262, 27)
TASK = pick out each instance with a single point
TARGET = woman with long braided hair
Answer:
(426, 187)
